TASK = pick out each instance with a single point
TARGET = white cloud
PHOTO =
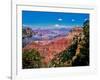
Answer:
(60, 19)
(62, 26)
(85, 19)
(73, 20)
(57, 25)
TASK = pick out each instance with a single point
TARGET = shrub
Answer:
(31, 59)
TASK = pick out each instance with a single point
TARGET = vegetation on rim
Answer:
(31, 59)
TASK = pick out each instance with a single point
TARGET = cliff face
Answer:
(82, 57)
(49, 48)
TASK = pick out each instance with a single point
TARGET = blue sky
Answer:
(36, 19)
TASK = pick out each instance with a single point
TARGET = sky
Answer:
(36, 19)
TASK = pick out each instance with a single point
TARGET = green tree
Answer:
(31, 59)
